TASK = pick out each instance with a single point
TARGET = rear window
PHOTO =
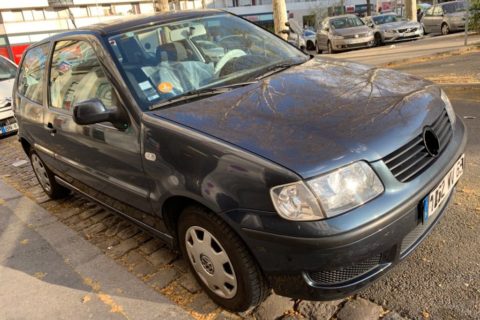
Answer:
(30, 79)
(454, 7)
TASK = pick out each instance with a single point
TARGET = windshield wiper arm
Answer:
(277, 68)
(210, 91)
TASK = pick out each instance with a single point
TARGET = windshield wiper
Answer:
(203, 92)
(277, 68)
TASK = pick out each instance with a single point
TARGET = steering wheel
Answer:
(232, 54)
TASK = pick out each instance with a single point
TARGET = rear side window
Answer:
(76, 75)
(30, 79)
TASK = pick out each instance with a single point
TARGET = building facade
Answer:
(23, 22)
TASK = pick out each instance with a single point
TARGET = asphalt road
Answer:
(441, 279)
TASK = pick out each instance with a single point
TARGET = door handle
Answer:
(51, 129)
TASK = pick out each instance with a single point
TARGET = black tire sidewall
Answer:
(56, 190)
(243, 298)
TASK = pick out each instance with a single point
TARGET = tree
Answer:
(280, 18)
(162, 6)
(369, 9)
(474, 18)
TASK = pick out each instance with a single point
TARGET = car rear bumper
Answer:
(333, 258)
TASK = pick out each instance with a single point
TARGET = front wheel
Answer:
(318, 48)
(445, 29)
(220, 261)
(378, 40)
(330, 48)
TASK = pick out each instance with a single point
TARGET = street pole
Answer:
(369, 10)
(467, 15)
(280, 18)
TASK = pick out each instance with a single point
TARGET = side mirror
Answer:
(93, 111)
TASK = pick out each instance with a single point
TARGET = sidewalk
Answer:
(47, 271)
(419, 49)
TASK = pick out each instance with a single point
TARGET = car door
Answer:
(428, 19)
(101, 159)
(29, 100)
(437, 19)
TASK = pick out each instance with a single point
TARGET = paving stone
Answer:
(189, 282)
(392, 315)
(225, 315)
(111, 242)
(143, 269)
(161, 257)
(151, 246)
(163, 278)
(122, 248)
(295, 317)
(318, 309)
(181, 265)
(133, 258)
(273, 307)
(128, 232)
(88, 213)
(111, 220)
(82, 224)
(100, 216)
(114, 229)
(142, 237)
(359, 309)
(202, 304)
(94, 229)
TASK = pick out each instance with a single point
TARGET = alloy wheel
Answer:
(211, 262)
(445, 29)
(41, 172)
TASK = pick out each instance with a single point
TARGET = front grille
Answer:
(345, 274)
(407, 30)
(412, 159)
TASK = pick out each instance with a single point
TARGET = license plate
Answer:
(435, 199)
(10, 127)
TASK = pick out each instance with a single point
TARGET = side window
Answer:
(438, 11)
(76, 75)
(30, 79)
(429, 12)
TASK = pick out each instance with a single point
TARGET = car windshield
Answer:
(308, 33)
(346, 22)
(454, 7)
(169, 61)
(387, 18)
(7, 69)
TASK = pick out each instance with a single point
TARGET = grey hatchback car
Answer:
(265, 167)
(445, 17)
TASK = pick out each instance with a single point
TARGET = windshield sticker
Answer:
(148, 90)
(145, 85)
(165, 87)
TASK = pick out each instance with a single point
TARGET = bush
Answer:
(474, 19)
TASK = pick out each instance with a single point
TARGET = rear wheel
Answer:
(310, 45)
(378, 40)
(220, 261)
(318, 48)
(46, 178)
(445, 29)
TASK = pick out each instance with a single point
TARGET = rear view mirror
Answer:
(94, 111)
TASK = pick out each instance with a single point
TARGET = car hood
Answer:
(399, 25)
(351, 31)
(317, 116)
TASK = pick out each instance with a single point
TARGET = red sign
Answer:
(18, 51)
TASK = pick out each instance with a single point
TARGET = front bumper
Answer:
(333, 258)
(354, 43)
(395, 37)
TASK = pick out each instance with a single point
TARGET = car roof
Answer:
(342, 16)
(444, 3)
(134, 22)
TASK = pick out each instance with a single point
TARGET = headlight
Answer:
(333, 193)
(346, 188)
(448, 107)
(338, 37)
(390, 31)
(369, 33)
(296, 202)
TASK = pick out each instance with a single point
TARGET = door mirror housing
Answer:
(94, 111)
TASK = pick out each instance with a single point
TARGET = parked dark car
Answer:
(445, 17)
(266, 168)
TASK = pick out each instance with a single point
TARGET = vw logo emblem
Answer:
(207, 264)
(430, 139)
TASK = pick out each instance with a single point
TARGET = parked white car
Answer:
(8, 70)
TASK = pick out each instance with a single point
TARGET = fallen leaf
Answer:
(39, 275)
(86, 298)
(2, 202)
(425, 314)
(24, 241)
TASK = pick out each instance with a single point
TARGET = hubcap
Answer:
(211, 262)
(41, 173)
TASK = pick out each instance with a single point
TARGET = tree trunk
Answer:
(162, 6)
(411, 9)
(369, 9)
(280, 18)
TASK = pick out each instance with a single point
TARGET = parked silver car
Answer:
(445, 17)
(8, 70)
(343, 33)
(391, 28)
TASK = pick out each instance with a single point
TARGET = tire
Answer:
(317, 48)
(330, 49)
(310, 45)
(46, 178)
(243, 284)
(378, 40)
(445, 29)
